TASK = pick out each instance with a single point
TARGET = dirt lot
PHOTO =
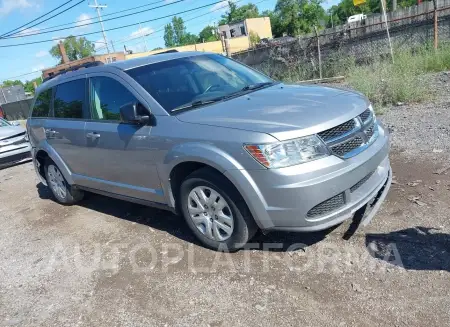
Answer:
(110, 263)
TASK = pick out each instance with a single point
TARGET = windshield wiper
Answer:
(195, 104)
(256, 86)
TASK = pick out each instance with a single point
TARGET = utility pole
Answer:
(383, 7)
(143, 37)
(98, 7)
(435, 18)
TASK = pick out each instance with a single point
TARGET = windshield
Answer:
(185, 82)
(4, 123)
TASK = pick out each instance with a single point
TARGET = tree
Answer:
(178, 29)
(76, 48)
(254, 38)
(29, 85)
(8, 83)
(175, 34)
(299, 16)
(157, 48)
(208, 34)
(169, 36)
(236, 14)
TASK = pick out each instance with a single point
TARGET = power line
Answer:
(112, 29)
(105, 15)
(14, 77)
(162, 26)
(9, 36)
(104, 20)
(9, 33)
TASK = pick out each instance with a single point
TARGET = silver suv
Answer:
(216, 141)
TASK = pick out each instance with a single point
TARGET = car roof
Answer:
(121, 65)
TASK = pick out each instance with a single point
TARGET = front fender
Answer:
(204, 153)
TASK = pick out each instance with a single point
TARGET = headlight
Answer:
(288, 153)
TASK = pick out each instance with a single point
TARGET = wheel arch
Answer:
(187, 158)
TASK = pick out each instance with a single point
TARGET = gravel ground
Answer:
(106, 262)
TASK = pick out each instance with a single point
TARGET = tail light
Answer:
(2, 113)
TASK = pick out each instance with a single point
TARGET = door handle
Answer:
(93, 135)
(50, 132)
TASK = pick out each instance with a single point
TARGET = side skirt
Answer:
(157, 205)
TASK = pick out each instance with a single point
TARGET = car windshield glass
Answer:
(199, 80)
(4, 123)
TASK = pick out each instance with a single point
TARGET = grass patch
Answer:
(405, 80)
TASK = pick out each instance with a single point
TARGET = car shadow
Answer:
(175, 225)
(417, 248)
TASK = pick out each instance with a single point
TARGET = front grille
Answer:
(327, 206)
(361, 182)
(370, 131)
(343, 148)
(11, 137)
(346, 137)
(338, 131)
(366, 115)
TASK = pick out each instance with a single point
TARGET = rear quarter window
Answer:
(41, 106)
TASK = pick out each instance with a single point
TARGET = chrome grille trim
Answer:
(352, 137)
(366, 115)
(340, 131)
(327, 206)
(344, 148)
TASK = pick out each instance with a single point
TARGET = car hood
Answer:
(9, 131)
(283, 111)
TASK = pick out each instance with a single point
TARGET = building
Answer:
(12, 94)
(116, 56)
(260, 26)
(239, 41)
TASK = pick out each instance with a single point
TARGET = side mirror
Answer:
(136, 113)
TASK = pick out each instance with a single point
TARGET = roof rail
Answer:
(168, 51)
(74, 68)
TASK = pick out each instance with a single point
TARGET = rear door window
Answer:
(69, 99)
(42, 105)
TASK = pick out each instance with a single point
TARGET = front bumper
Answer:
(13, 154)
(283, 199)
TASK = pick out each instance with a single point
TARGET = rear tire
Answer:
(61, 190)
(215, 211)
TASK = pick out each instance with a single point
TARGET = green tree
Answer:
(236, 14)
(208, 34)
(299, 16)
(179, 30)
(76, 48)
(8, 83)
(254, 38)
(169, 36)
(29, 85)
(175, 34)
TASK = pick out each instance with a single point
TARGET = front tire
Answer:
(215, 211)
(61, 190)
